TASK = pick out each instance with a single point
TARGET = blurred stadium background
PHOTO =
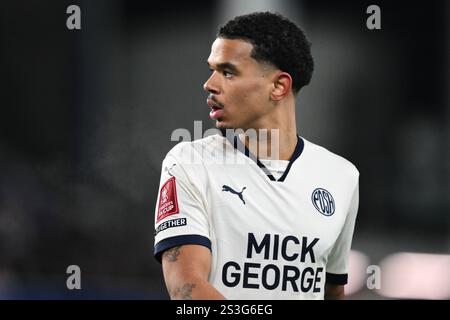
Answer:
(87, 116)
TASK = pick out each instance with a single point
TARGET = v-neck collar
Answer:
(241, 147)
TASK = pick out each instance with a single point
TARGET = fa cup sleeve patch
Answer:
(168, 203)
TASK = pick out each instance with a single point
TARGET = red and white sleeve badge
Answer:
(168, 203)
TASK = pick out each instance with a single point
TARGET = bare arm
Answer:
(334, 292)
(186, 269)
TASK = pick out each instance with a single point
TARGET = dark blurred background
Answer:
(87, 115)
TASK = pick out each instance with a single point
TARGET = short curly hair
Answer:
(276, 41)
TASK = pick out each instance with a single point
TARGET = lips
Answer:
(212, 104)
(216, 109)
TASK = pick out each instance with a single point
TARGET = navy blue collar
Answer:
(237, 144)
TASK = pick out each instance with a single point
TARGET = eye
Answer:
(227, 74)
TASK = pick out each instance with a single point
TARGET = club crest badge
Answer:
(323, 201)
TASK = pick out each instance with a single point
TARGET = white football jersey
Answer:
(269, 238)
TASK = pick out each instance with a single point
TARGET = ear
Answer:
(282, 85)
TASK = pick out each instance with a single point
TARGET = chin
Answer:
(221, 125)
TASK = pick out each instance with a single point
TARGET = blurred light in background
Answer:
(415, 276)
(357, 273)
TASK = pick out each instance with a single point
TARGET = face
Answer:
(239, 86)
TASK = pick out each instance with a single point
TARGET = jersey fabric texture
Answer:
(270, 237)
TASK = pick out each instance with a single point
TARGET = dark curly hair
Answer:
(276, 41)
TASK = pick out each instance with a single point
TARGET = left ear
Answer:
(282, 85)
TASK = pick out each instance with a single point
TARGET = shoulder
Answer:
(186, 162)
(324, 158)
(194, 152)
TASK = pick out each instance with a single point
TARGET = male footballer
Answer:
(259, 226)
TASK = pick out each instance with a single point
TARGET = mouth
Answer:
(216, 109)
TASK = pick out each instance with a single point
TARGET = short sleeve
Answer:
(180, 215)
(337, 265)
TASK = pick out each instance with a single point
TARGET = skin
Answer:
(334, 292)
(186, 270)
(253, 95)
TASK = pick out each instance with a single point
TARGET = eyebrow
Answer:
(225, 65)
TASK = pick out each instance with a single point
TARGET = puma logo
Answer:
(239, 194)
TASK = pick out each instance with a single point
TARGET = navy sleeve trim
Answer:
(334, 278)
(168, 243)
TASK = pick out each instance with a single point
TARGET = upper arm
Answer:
(185, 268)
(338, 258)
(334, 291)
(181, 216)
(182, 232)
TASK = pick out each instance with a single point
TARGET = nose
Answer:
(210, 85)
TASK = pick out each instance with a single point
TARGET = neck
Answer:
(275, 139)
